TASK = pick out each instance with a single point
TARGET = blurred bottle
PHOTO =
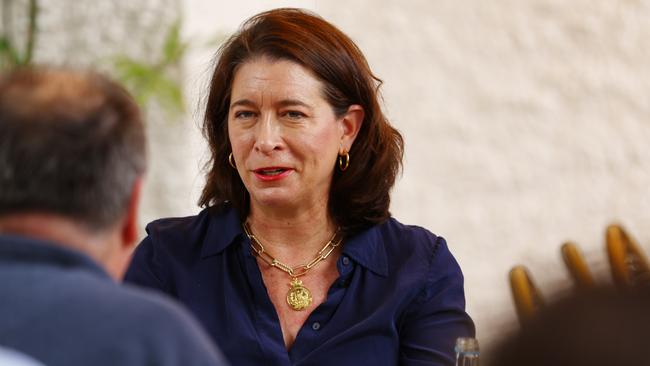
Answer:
(467, 352)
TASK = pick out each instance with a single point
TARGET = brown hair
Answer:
(71, 143)
(360, 196)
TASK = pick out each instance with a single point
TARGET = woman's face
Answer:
(284, 135)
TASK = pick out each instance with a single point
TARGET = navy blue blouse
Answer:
(398, 300)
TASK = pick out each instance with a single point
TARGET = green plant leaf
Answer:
(8, 53)
(174, 48)
(170, 95)
(152, 81)
(148, 82)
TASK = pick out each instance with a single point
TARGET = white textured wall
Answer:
(526, 124)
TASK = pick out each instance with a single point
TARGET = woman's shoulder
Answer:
(182, 224)
(191, 229)
(411, 238)
(417, 247)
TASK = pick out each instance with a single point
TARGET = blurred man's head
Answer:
(600, 327)
(72, 150)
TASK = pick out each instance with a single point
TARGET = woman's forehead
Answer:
(277, 79)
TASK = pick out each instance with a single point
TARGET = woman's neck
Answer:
(293, 238)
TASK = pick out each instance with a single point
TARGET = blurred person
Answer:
(9, 357)
(295, 259)
(72, 156)
(599, 327)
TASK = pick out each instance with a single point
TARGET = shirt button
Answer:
(346, 261)
(315, 326)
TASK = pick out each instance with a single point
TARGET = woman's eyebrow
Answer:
(282, 103)
(242, 102)
(292, 102)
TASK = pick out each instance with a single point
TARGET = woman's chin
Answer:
(278, 199)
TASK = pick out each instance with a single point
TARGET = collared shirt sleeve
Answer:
(434, 320)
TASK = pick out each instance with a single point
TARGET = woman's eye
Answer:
(244, 114)
(294, 114)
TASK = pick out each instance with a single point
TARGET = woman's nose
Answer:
(268, 137)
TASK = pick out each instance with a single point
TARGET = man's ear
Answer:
(350, 125)
(130, 224)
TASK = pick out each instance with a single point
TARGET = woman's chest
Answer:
(294, 299)
(353, 313)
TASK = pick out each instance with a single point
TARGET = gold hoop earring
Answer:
(344, 166)
(231, 161)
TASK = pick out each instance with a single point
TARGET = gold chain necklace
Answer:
(298, 297)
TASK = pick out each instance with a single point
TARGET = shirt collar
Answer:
(17, 248)
(221, 233)
(367, 248)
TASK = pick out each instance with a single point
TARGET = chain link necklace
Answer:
(298, 297)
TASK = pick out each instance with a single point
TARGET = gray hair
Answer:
(71, 143)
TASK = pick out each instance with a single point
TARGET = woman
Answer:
(295, 259)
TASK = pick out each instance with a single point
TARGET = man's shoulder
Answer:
(165, 327)
(150, 314)
(78, 296)
(136, 303)
(110, 322)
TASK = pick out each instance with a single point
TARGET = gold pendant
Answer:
(298, 296)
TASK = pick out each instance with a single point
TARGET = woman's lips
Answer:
(270, 174)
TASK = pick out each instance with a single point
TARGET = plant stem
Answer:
(31, 32)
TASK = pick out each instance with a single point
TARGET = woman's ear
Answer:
(350, 125)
